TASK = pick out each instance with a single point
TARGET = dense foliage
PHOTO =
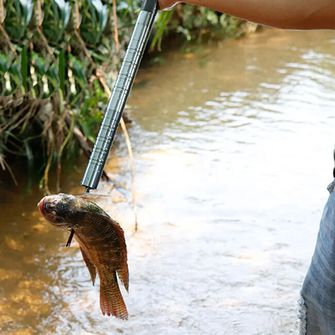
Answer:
(53, 57)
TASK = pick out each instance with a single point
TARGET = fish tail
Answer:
(111, 300)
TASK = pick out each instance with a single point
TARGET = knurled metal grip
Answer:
(120, 94)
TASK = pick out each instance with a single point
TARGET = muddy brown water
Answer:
(233, 148)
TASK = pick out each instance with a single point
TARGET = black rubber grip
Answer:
(150, 5)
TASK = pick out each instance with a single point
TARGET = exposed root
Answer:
(132, 168)
(60, 153)
(24, 119)
(83, 143)
(116, 30)
(5, 166)
(7, 40)
(45, 180)
(35, 119)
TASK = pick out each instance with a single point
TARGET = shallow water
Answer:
(233, 147)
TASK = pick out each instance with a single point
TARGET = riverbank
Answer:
(56, 61)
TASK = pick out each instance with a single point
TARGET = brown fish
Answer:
(101, 241)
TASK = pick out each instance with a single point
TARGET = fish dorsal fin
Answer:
(89, 264)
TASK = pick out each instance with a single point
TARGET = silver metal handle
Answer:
(120, 94)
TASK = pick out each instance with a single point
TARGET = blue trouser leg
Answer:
(318, 291)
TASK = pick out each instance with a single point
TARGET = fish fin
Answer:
(111, 300)
(123, 274)
(89, 264)
(122, 271)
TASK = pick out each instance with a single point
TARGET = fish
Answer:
(102, 245)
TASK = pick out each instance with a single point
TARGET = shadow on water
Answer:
(233, 153)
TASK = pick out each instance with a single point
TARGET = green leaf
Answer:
(24, 68)
(94, 19)
(160, 29)
(56, 18)
(4, 64)
(27, 6)
(212, 17)
(65, 9)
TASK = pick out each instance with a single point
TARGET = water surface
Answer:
(233, 148)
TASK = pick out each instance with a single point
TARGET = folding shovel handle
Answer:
(120, 94)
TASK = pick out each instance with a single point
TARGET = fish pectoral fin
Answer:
(89, 264)
(111, 300)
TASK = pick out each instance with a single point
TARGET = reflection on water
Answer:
(233, 153)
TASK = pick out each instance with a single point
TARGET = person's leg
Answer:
(318, 290)
(309, 319)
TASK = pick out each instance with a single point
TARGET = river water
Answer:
(233, 152)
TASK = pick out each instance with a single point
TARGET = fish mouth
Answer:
(47, 214)
(41, 206)
(48, 210)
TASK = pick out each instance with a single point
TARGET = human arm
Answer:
(286, 14)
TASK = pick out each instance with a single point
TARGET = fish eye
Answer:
(49, 206)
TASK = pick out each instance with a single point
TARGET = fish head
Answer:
(60, 209)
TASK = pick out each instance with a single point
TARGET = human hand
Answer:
(164, 4)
